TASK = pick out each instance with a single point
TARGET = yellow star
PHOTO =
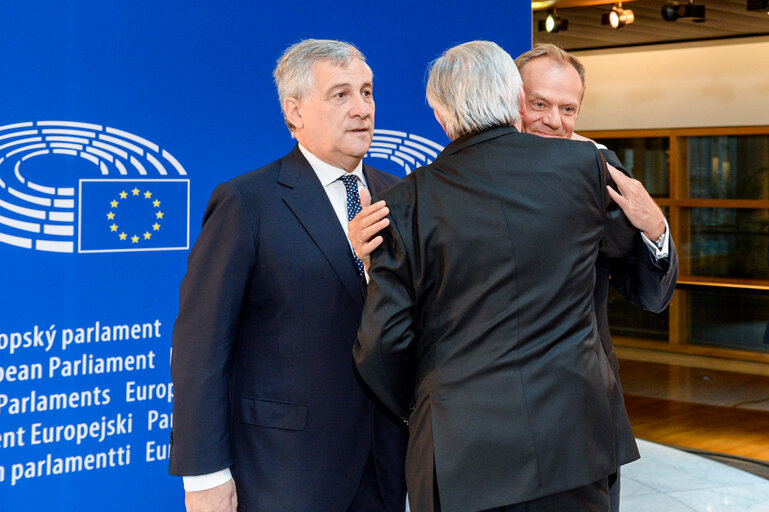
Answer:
(123, 194)
(134, 239)
(147, 194)
(156, 203)
(123, 236)
(147, 235)
(159, 215)
(114, 203)
(135, 191)
(110, 215)
(156, 227)
(113, 227)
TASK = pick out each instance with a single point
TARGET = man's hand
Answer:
(370, 220)
(638, 205)
(222, 498)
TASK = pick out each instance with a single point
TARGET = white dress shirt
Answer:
(663, 249)
(337, 196)
(334, 187)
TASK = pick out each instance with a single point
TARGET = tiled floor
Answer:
(669, 480)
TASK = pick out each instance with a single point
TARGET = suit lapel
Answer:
(374, 182)
(308, 201)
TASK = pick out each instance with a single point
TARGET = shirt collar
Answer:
(327, 173)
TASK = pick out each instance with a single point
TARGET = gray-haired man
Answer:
(269, 414)
(479, 324)
(554, 83)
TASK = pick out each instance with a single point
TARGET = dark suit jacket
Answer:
(263, 375)
(480, 310)
(644, 281)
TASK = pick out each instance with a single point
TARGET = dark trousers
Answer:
(614, 492)
(591, 498)
(368, 497)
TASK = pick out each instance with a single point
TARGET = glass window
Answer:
(729, 318)
(630, 321)
(647, 159)
(720, 223)
(727, 242)
(729, 167)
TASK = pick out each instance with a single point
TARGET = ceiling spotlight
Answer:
(671, 11)
(553, 23)
(758, 5)
(618, 17)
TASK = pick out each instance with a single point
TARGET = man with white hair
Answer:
(269, 413)
(554, 83)
(479, 326)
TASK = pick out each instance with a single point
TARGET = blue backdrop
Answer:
(117, 119)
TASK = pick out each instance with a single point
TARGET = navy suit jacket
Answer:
(644, 281)
(262, 366)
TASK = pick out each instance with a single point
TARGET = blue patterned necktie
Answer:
(353, 207)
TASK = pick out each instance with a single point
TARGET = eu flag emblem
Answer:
(133, 215)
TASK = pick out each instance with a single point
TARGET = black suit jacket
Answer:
(263, 376)
(480, 314)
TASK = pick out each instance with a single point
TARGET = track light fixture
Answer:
(671, 11)
(758, 5)
(618, 17)
(553, 23)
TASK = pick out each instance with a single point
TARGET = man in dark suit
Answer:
(479, 324)
(554, 83)
(269, 412)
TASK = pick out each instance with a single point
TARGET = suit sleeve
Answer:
(382, 351)
(205, 331)
(619, 234)
(646, 282)
(612, 159)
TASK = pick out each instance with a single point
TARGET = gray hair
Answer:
(293, 73)
(557, 54)
(473, 87)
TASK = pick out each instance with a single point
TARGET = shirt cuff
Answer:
(205, 482)
(656, 251)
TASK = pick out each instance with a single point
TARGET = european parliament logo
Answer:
(406, 150)
(135, 200)
(133, 215)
